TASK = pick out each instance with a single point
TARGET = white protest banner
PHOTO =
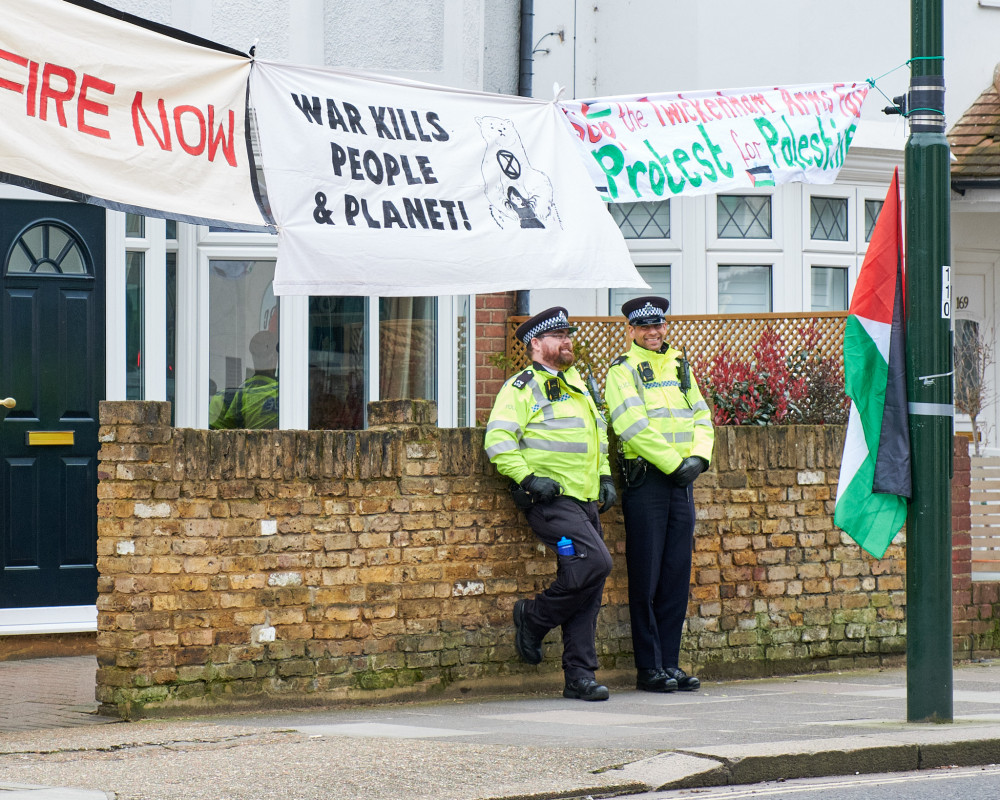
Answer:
(101, 106)
(390, 187)
(657, 146)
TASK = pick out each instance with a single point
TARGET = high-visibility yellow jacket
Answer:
(254, 405)
(653, 418)
(563, 437)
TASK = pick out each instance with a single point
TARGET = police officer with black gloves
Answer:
(665, 428)
(546, 434)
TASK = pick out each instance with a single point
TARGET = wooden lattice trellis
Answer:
(703, 336)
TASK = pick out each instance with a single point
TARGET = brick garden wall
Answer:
(248, 567)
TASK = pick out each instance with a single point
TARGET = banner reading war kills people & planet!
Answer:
(391, 187)
(101, 106)
(653, 147)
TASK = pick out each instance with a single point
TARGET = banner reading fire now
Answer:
(99, 105)
(656, 146)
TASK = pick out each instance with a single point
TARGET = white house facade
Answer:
(170, 311)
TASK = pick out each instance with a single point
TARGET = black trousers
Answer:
(659, 538)
(574, 598)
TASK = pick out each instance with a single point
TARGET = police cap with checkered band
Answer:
(551, 319)
(647, 310)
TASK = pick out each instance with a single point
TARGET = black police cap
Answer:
(551, 319)
(648, 310)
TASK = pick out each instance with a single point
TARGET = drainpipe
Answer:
(522, 302)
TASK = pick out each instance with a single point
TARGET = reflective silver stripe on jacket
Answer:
(680, 436)
(634, 428)
(501, 447)
(554, 447)
(543, 402)
(504, 425)
(701, 405)
(625, 405)
(556, 424)
(706, 422)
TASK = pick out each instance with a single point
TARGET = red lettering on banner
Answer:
(215, 137)
(13, 58)
(86, 105)
(198, 149)
(32, 87)
(137, 110)
(57, 89)
(58, 96)
(194, 132)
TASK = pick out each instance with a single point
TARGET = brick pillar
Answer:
(964, 613)
(492, 311)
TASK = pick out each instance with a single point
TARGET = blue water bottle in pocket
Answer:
(564, 547)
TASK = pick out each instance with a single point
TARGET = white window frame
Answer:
(780, 302)
(670, 260)
(810, 260)
(153, 245)
(195, 404)
(848, 193)
(712, 240)
(201, 246)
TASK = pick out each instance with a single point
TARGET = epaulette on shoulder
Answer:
(620, 360)
(522, 380)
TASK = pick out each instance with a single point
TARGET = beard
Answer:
(562, 360)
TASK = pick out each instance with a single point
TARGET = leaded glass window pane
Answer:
(828, 219)
(642, 220)
(872, 209)
(744, 289)
(829, 289)
(740, 216)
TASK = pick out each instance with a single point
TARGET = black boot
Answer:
(654, 680)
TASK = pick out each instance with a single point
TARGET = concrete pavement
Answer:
(529, 746)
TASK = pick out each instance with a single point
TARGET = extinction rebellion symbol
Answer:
(509, 164)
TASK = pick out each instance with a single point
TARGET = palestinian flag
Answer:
(875, 469)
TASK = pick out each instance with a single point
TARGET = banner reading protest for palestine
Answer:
(656, 146)
(381, 186)
(98, 104)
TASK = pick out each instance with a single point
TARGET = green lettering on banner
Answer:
(633, 175)
(679, 158)
(827, 144)
(610, 151)
(770, 134)
(698, 149)
(715, 149)
(674, 186)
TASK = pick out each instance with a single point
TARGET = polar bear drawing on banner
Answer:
(517, 192)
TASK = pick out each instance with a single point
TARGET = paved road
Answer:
(487, 747)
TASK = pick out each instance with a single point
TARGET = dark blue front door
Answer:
(52, 365)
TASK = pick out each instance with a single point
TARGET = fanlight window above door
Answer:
(48, 248)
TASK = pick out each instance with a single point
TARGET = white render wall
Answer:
(677, 45)
(469, 44)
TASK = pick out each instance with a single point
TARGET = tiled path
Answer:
(48, 693)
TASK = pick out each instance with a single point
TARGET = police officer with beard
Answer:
(665, 428)
(546, 434)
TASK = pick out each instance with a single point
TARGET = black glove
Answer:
(690, 468)
(541, 489)
(607, 494)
